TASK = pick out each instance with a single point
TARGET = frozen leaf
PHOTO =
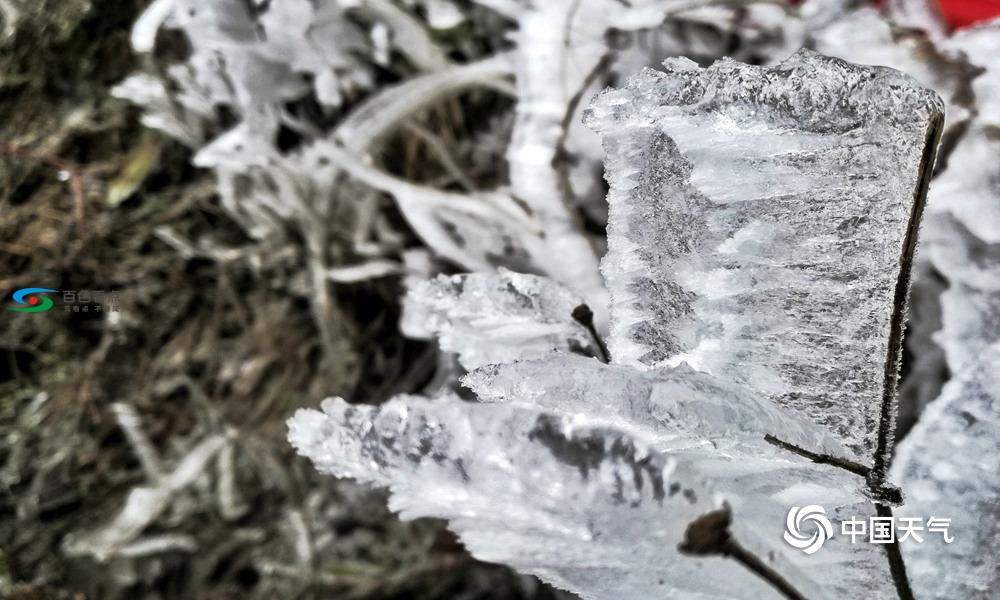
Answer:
(587, 506)
(382, 112)
(146, 27)
(216, 25)
(315, 38)
(588, 509)
(949, 466)
(676, 407)
(442, 14)
(478, 231)
(151, 93)
(794, 195)
(408, 34)
(372, 269)
(970, 306)
(493, 318)
(240, 148)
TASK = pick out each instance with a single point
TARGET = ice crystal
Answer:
(762, 220)
(677, 407)
(759, 218)
(486, 318)
(586, 506)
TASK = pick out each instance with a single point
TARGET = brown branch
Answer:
(823, 459)
(584, 316)
(709, 535)
(71, 169)
(561, 158)
(896, 565)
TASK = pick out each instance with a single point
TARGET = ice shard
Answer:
(488, 318)
(763, 221)
(676, 407)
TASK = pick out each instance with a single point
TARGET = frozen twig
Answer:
(144, 505)
(128, 420)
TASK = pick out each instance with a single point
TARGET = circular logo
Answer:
(33, 303)
(822, 530)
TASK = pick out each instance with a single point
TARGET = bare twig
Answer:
(561, 159)
(584, 316)
(823, 459)
(896, 565)
(71, 170)
(709, 535)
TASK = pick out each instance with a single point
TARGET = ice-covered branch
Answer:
(762, 220)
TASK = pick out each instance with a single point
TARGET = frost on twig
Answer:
(144, 505)
(762, 220)
(948, 464)
(558, 45)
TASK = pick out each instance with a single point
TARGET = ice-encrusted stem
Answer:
(380, 114)
(819, 458)
(878, 479)
(558, 47)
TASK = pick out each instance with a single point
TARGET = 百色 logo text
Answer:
(32, 301)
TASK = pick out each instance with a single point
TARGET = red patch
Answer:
(963, 13)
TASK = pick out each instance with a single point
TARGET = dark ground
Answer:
(201, 346)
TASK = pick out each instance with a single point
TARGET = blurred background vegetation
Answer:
(201, 348)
